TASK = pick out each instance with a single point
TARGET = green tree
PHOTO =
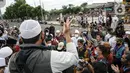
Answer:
(76, 9)
(9, 14)
(84, 5)
(22, 10)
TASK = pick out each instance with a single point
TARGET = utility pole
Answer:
(41, 10)
(1, 15)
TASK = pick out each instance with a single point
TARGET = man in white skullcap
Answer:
(61, 46)
(59, 36)
(76, 37)
(4, 53)
(34, 58)
(114, 22)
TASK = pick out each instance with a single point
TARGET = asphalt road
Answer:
(57, 27)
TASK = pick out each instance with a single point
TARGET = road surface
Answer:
(57, 26)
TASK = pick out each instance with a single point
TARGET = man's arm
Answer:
(63, 60)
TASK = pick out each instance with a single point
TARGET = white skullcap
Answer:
(5, 52)
(57, 31)
(77, 31)
(2, 62)
(127, 32)
(60, 46)
(30, 29)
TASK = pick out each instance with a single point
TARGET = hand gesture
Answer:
(66, 26)
(92, 59)
(115, 68)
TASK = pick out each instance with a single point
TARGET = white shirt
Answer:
(100, 18)
(6, 70)
(75, 40)
(114, 23)
(107, 37)
(112, 42)
(63, 60)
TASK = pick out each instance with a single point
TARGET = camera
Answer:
(82, 64)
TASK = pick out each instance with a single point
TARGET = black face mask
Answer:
(118, 44)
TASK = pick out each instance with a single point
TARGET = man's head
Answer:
(57, 32)
(98, 37)
(119, 41)
(126, 59)
(102, 50)
(76, 33)
(60, 46)
(31, 32)
(128, 33)
(80, 43)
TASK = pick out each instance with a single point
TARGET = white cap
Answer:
(60, 46)
(14, 26)
(5, 52)
(57, 31)
(77, 31)
(127, 32)
(30, 29)
(2, 62)
(10, 27)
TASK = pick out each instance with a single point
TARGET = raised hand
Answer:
(115, 68)
(66, 30)
(66, 26)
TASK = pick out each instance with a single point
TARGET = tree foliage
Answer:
(20, 9)
(70, 9)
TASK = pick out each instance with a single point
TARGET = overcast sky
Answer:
(51, 4)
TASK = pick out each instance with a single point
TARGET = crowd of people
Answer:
(99, 49)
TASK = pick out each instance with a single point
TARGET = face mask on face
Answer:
(118, 44)
(47, 33)
(96, 53)
(76, 35)
(49, 44)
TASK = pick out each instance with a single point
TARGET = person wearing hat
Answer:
(61, 47)
(59, 36)
(76, 37)
(114, 22)
(4, 53)
(32, 58)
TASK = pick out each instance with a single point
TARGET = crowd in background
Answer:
(101, 49)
